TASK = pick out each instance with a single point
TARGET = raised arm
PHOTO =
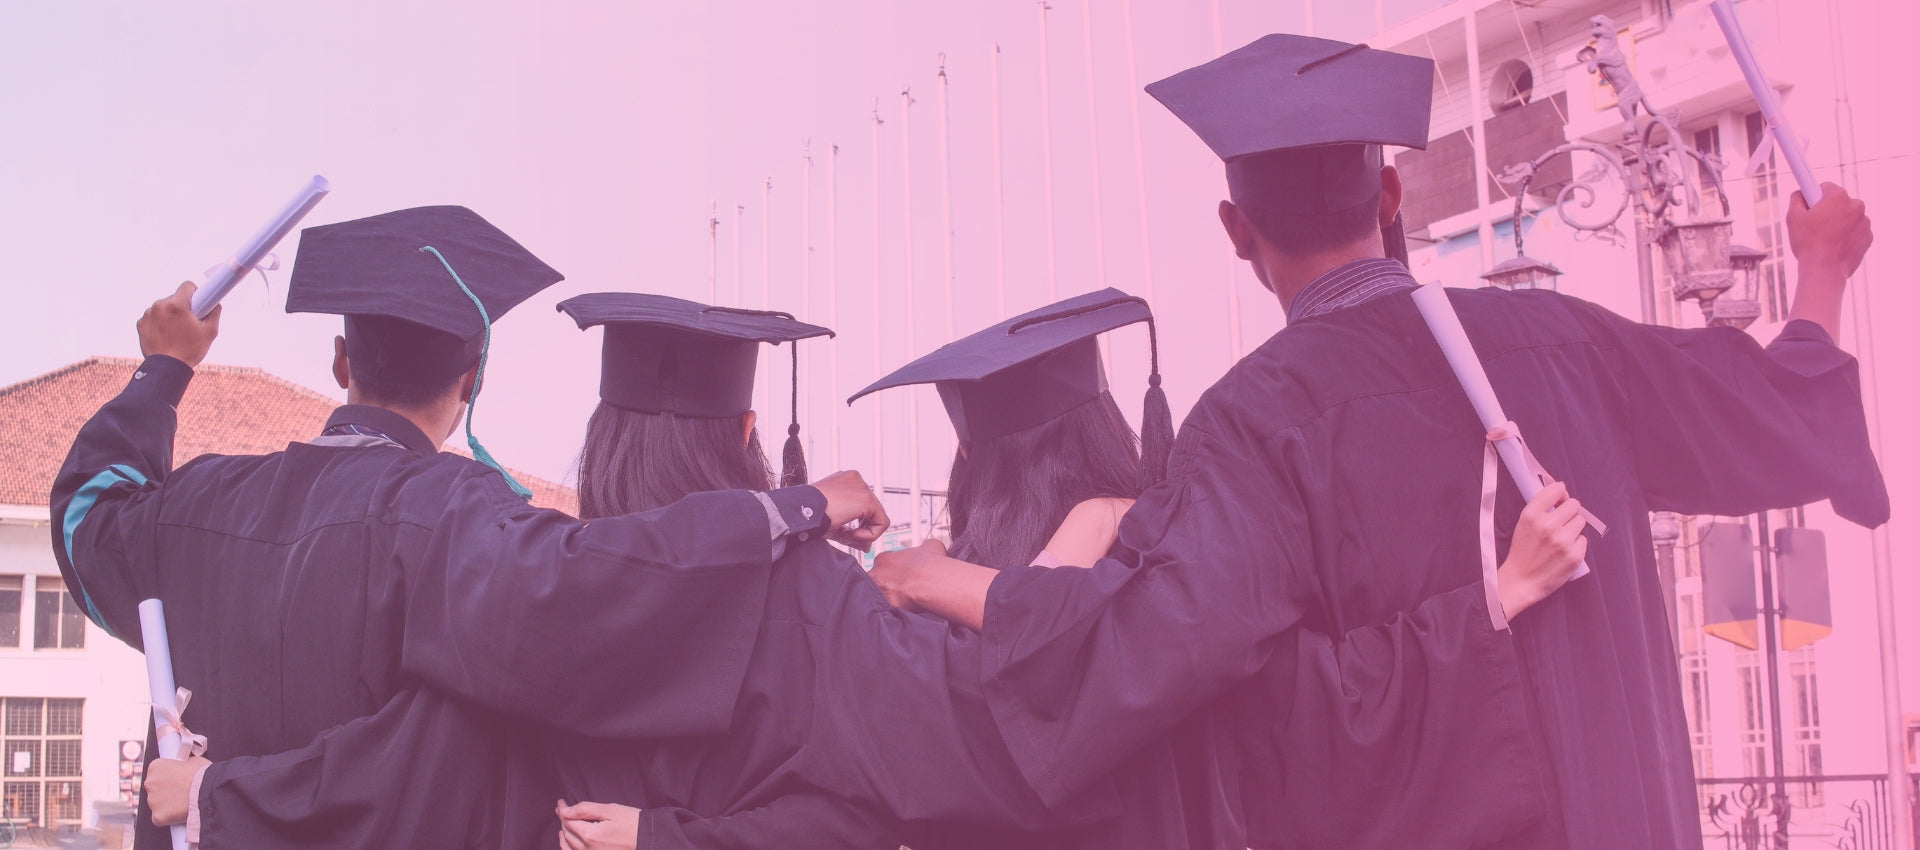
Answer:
(1722, 426)
(105, 496)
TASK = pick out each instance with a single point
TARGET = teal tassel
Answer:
(480, 452)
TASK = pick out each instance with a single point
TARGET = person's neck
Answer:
(1288, 275)
(437, 421)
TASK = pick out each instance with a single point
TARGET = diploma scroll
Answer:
(1445, 323)
(1768, 100)
(222, 277)
(153, 636)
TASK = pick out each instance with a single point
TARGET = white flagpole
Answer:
(713, 252)
(766, 289)
(913, 350)
(1234, 346)
(833, 296)
(999, 198)
(1139, 153)
(946, 197)
(805, 313)
(879, 326)
(1093, 152)
(1046, 149)
(739, 215)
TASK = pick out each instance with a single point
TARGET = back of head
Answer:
(635, 461)
(1008, 494)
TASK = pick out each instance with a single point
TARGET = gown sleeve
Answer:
(636, 626)
(423, 773)
(1080, 669)
(1723, 426)
(795, 820)
(106, 496)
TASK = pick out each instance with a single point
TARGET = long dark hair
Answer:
(1007, 495)
(641, 461)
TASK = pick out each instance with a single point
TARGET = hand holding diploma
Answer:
(170, 733)
(169, 327)
(222, 277)
(1502, 434)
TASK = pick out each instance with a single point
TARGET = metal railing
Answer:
(1839, 811)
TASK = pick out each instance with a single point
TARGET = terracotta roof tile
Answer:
(227, 410)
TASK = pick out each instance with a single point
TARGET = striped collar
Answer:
(1349, 285)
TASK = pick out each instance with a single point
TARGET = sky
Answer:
(142, 143)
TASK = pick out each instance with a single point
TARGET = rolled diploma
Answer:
(1445, 323)
(1768, 100)
(153, 636)
(256, 249)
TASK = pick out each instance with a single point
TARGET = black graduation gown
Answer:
(1328, 485)
(308, 587)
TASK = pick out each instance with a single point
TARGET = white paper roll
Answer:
(229, 272)
(1768, 100)
(160, 686)
(1445, 323)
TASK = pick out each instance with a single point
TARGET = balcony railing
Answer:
(1853, 812)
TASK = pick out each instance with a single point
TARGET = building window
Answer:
(1511, 86)
(1754, 759)
(1770, 228)
(1806, 757)
(1693, 676)
(57, 621)
(13, 598)
(40, 760)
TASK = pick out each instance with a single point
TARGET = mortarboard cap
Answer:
(407, 282)
(1299, 121)
(669, 355)
(1025, 371)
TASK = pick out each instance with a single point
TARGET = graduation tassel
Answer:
(793, 461)
(1156, 419)
(480, 452)
(1394, 237)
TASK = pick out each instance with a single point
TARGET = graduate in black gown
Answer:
(309, 587)
(1330, 485)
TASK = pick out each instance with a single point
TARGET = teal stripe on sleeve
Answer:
(77, 510)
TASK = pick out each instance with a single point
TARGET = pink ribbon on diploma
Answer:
(190, 744)
(1489, 485)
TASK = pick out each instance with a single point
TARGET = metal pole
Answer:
(833, 296)
(1139, 153)
(739, 214)
(879, 327)
(999, 198)
(913, 350)
(1860, 292)
(1770, 644)
(1046, 150)
(713, 252)
(946, 198)
(805, 313)
(1479, 97)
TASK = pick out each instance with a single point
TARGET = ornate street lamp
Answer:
(1523, 272)
(1743, 310)
(1698, 258)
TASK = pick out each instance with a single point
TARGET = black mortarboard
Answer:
(420, 289)
(407, 282)
(1031, 369)
(1299, 121)
(670, 355)
(1323, 106)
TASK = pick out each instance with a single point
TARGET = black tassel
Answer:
(1156, 420)
(1394, 236)
(793, 461)
(1156, 435)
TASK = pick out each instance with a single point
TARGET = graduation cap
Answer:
(1299, 121)
(670, 355)
(420, 289)
(1034, 368)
